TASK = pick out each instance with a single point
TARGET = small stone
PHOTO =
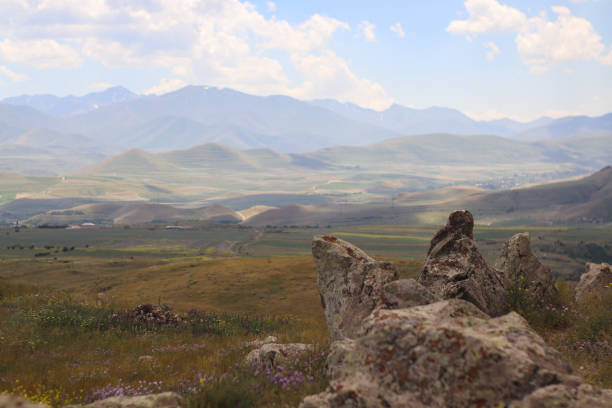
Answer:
(145, 359)
(273, 354)
(12, 401)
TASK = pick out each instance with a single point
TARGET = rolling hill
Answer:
(586, 200)
(127, 213)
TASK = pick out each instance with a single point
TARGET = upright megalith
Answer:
(350, 284)
(522, 268)
(595, 281)
(454, 267)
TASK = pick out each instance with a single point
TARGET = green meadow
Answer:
(230, 285)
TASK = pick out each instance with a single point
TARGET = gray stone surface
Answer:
(594, 281)
(445, 354)
(350, 284)
(163, 400)
(405, 293)
(272, 354)
(12, 401)
(567, 396)
(522, 268)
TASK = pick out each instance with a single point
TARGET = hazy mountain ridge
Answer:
(196, 115)
(70, 105)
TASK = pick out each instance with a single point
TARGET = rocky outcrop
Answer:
(163, 400)
(521, 268)
(272, 354)
(405, 293)
(350, 284)
(12, 401)
(454, 267)
(416, 350)
(595, 281)
(445, 354)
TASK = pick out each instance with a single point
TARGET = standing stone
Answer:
(595, 281)
(521, 267)
(454, 267)
(350, 284)
(445, 354)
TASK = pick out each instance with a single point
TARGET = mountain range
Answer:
(95, 126)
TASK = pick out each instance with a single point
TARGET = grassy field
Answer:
(59, 287)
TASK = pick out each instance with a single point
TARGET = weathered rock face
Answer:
(405, 293)
(520, 266)
(12, 401)
(445, 354)
(567, 396)
(163, 400)
(272, 354)
(454, 267)
(594, 280)
(350, 284)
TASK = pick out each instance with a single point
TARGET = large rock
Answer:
(445, 354)
(521, 268)
(350, 284)
(272, 354)
(12, 401)
(454, 267)
(163, 400)
(595, 281)
(567, 396)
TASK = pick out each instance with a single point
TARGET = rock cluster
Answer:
(431, 343)
(595, 281)
(149, 315)
(455, 269)
(520, 266)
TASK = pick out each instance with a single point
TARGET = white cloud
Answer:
(606, 59)
(367, 30)
(166, 85)
(100, 86)
(541, 43)
(545, 44)
(397, 29)
(12, 75)
(271, 6)
(41, 54)
(217, 42)
(493, 50)
(330, 77)
(486, 16)
(578, 1)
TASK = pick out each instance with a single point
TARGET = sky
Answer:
(487, 58)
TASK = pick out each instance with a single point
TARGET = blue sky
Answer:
(490, 59)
